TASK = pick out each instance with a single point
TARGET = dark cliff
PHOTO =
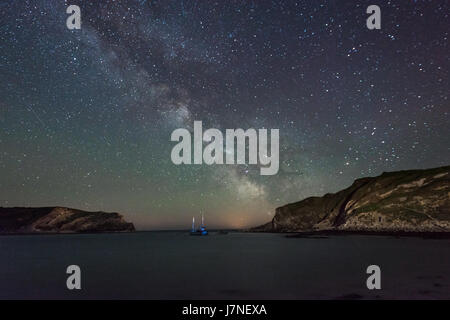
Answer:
(60, 220)
(414, 200)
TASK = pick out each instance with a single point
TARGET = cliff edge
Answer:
(413, 200)
(60, 220)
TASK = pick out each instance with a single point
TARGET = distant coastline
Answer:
(60, 220)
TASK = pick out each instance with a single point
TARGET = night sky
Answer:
(86, 115)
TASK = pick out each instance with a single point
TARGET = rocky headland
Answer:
(60, 220)
(403, 201)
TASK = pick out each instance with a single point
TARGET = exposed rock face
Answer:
(60, 220)
(414, 200)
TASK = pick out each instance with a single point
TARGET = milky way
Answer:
(86, 115)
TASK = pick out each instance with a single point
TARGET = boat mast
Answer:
(193, 223)
(202, 220)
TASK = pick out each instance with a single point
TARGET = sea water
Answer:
(174, 265)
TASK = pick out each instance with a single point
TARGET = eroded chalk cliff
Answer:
(414, 200)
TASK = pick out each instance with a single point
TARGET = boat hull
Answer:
(199, 233)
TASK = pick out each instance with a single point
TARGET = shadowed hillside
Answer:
(60, 220)
(413, 200)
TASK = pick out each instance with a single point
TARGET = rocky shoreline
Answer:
(58, 220)
(402, 202)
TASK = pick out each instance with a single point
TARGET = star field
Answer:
(86, 115)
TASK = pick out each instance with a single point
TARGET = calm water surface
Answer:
(174, 265)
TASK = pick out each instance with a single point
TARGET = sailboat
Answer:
(201, 231)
